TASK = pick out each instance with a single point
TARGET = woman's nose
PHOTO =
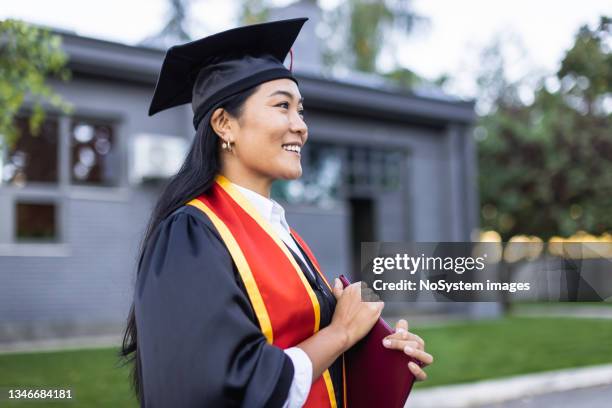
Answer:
(298, 125)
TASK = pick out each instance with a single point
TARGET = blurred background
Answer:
(429, 121)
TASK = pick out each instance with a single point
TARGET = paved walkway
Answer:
(73, 343)
(547, 386)
(594, 397)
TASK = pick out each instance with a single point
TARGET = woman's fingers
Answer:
(367, 294)
(402, 324)
(398, 344)
(407, 336)
(420, 355)
(411, 344)
(417, 371)
(400, 335)
(337, 290)
(401, 329)
(419, 340)
(410, 347)
(377, 307)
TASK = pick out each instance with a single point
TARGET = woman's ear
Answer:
(221, 123)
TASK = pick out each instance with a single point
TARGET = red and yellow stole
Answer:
(287, 308)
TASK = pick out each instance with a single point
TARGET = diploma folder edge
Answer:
(375, 375)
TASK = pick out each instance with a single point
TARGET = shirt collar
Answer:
(270, 209)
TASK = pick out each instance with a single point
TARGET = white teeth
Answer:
(292, 148)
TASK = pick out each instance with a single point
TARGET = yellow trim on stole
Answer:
(344, 403)
(330, 388)
(243, 268)
(248, 207)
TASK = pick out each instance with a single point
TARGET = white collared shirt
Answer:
(274, 213)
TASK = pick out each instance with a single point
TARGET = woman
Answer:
(230, 306)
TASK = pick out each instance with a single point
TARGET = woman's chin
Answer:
(293, 173)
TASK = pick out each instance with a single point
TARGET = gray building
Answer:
(380, 165)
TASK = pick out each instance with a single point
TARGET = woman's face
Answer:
(271, 132)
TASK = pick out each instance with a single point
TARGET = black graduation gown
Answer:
(198, 336)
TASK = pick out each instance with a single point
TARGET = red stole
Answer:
(287, 308)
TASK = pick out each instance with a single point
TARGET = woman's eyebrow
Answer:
(287, 94)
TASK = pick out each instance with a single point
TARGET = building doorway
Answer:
(362, 229)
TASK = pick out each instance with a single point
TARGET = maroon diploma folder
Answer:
(375, 375)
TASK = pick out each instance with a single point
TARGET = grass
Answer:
(474, 351)
(94, 377)
(521, 307)
(463, 352)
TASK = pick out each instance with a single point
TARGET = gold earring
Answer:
(227, 146)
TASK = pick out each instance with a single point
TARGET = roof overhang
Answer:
(105, 59)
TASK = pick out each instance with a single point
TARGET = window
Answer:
(34, 158)
(36, 221)
(93, 153)
(331, 172)
(68, 157)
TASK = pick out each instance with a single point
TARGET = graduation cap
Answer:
(207, 71)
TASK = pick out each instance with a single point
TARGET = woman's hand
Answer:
(412, 345)
(352, 316)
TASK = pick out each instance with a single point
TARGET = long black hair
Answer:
(195, 177)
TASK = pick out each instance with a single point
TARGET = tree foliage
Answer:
(253, 11)
(546, 165)
(366, 27)
(28, 56)
(358, 32)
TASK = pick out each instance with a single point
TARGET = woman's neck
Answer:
(259, 185)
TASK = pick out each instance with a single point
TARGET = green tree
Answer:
(358, 31)
(28, 56)
(546, 165)
(371, 26)
(253, 11)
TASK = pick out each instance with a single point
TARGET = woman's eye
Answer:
(285, 105)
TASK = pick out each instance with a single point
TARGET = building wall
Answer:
(435, 205)
(83, 284)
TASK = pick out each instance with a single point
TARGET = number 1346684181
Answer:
(39, 394)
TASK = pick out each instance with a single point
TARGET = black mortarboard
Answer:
(207, 71)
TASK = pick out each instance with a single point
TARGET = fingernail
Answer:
(386, 342)
(408, 349)
(400, 330)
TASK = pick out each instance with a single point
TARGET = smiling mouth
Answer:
(292, 148)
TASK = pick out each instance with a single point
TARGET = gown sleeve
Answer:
(198, 338)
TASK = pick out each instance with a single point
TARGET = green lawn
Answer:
(522, 307)
(95, 378)
(463, 352)
(473, 351)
